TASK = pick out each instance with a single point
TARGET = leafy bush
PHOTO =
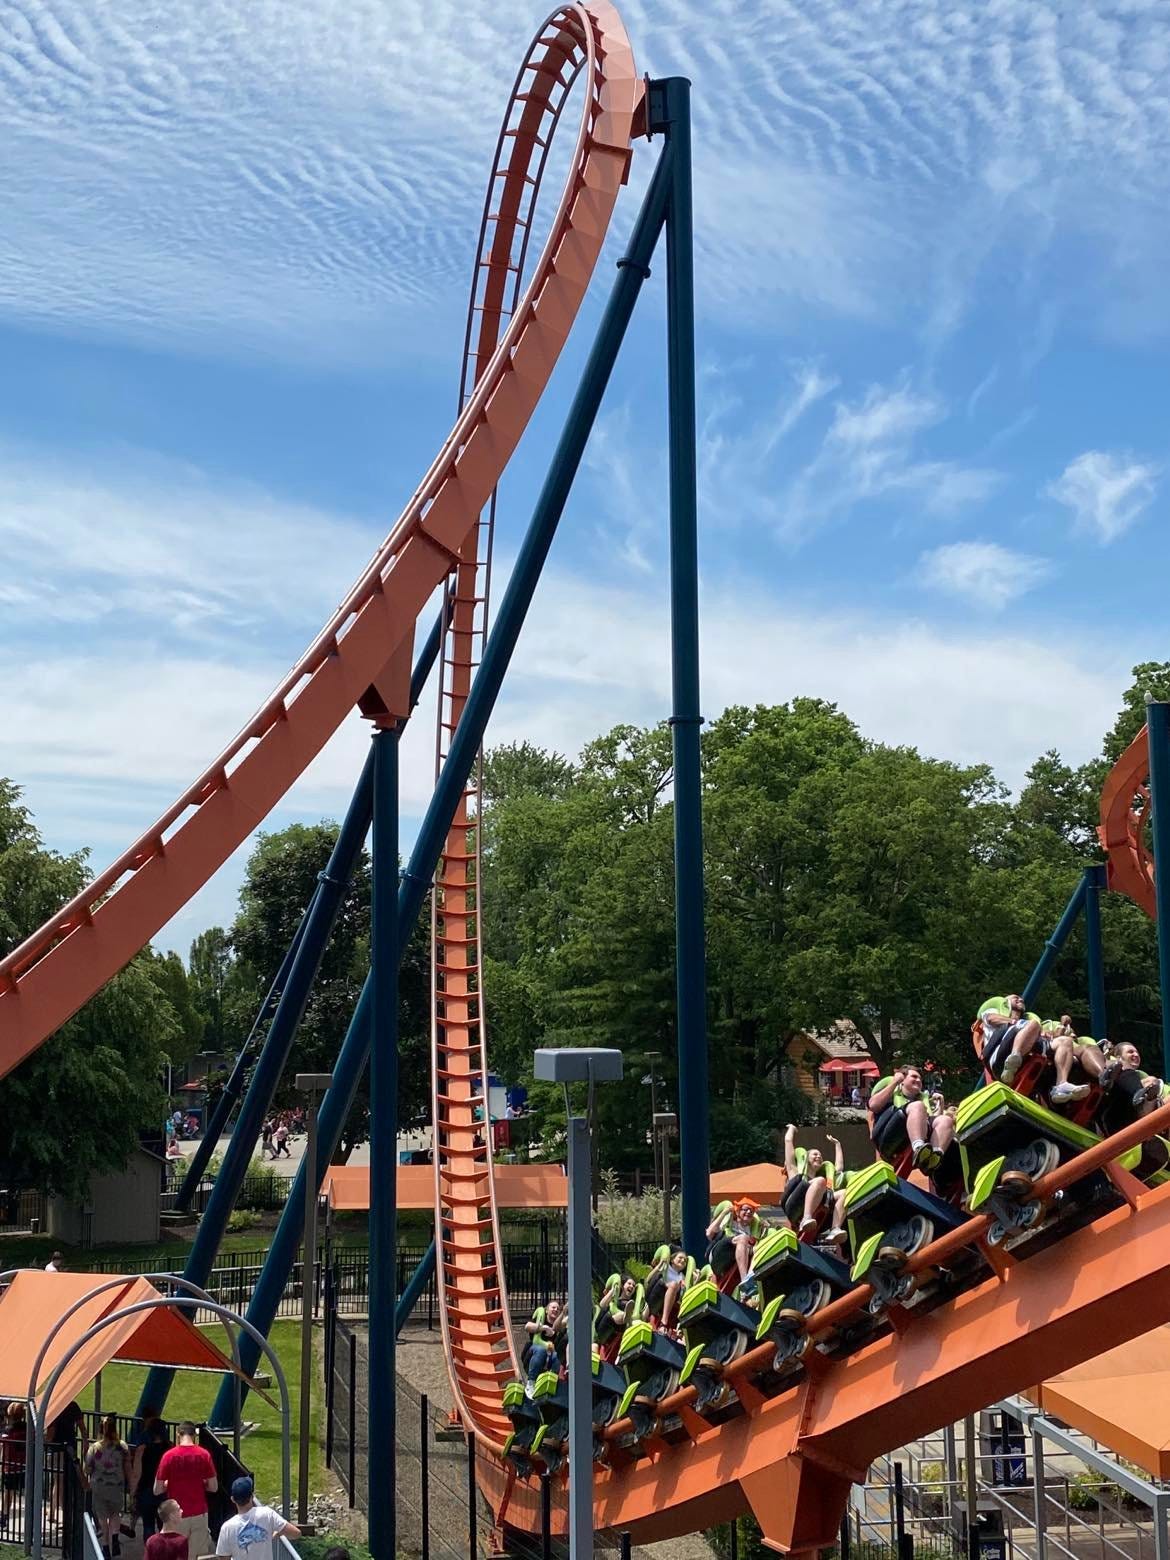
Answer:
(633, 1221)
(1085, 1490)
(314, 1548)
(242, 1219)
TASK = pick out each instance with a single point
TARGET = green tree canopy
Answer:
(79, 1102)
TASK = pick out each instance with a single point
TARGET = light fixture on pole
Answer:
(314, 1085)
(652, 1057)
(581, 1064)
(665, 1124)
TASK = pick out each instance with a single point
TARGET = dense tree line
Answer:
(846, 880)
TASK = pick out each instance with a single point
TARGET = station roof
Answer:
(35, 1302)
(1119, 1399)
(517, 1186)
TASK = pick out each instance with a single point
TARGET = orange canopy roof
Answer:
(764, 1183)
(1119, 1399)
(517, 1186)
(33, 1304)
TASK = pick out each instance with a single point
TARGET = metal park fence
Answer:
(442, 1513)
(22, 1212)
(264, 1192)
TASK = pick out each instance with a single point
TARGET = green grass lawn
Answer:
(192, 1396)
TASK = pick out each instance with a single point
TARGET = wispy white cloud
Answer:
(137, 544)
(984, 574)
(811, 384)
(869, 454)
(222, 177)
(1106, 492)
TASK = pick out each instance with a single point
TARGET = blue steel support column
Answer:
(633, 269)
(235, 1085)
(1158, 735)
(1094, 951)
(1054, 944)
(670, 109)
(384, 942)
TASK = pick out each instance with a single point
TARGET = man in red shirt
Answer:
(186, 1473)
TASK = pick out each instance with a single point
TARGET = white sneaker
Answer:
(1065, 1093)
(807, 1224)
(1011, 1067)
(836, 1236)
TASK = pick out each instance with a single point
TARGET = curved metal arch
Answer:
(194, 1302)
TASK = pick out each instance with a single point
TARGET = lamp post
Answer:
(665, 1122)
(314, 1085)
(592, 1066)
(651, 1078)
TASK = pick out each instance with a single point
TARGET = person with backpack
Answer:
(147, 1445)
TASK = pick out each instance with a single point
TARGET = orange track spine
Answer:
(473, 1303)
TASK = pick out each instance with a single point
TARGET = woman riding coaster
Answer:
(672, 1269)
(899, 1118)
(732, 1233)
(809, 1196)
(613, 1314)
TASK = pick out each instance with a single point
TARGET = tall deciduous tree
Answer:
(78, 1103)
(279, 881)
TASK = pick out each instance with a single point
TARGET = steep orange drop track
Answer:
(1125, 815)
(50, 975)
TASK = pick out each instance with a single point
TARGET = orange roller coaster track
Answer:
(788, 1450)
(357, 657)
(1124, 826)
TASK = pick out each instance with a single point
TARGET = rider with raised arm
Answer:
(808, 1188)
(739, 1225)
(899, 1118)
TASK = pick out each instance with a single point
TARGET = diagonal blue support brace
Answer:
(415, 1285)
(633, 269)
(1094, 952)
(1055, 943)
(234, 1087)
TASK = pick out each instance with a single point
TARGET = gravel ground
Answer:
(421, 1362)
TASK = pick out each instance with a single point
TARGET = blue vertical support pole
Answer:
(1094, 952)
(670, 111)
(1158, 736)
(633, 269)
(1054, 944)
(384, 941)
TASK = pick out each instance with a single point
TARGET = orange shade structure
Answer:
(1119, 1399)
(347, 1187)
(33, 1305)
(764, 1183)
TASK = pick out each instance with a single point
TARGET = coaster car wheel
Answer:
(1037, 1158)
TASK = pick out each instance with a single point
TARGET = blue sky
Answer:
(932, 338)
